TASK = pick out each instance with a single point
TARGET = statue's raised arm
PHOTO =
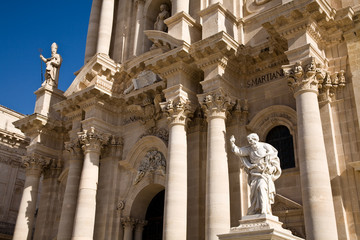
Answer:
(262, 165)
(52, 67)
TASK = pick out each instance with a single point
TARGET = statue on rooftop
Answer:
(164, 14)
(52, 67)
(260, 161)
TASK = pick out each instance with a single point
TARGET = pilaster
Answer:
(105, 26)
(139, 228)
(71, 190)
(129, 224)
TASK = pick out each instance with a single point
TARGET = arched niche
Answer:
(271, 117)
(140, 197)
(141, 147)
(151, 11)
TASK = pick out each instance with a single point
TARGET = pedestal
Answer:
(261, 226)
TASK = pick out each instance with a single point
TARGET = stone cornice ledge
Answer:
(355, 165)
(218, 41)
(36, 120)
(183, 15)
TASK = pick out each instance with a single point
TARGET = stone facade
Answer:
(153, 110)
(12, 174)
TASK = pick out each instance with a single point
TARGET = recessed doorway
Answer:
(155, 216)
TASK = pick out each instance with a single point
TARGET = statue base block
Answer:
(260, 226)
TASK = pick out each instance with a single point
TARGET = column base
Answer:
(261, 226)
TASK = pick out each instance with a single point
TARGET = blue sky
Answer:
(26, 26)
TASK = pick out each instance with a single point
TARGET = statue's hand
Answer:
(232, 139)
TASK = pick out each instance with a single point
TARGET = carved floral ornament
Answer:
(312, 77)
(216, 104)
(35, 162)
(177, 110)
(92, 140)
(153, 162)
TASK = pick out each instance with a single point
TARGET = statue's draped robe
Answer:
(52, 69)
(263, 168)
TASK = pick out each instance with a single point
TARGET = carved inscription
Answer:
(265, 78)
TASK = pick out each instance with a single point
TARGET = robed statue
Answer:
(260, 161)
(52, 67)
(164, 14)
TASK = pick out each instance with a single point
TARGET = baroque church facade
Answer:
(138, 146)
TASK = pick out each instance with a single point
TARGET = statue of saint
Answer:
(52, 67)
(164, 14)
(260, 161)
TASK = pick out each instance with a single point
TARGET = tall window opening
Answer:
(155, 215)
(281, 139)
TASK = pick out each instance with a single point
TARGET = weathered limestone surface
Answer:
(177, 82)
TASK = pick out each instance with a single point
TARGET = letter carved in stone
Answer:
(154, 162)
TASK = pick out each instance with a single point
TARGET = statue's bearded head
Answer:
(253, 138)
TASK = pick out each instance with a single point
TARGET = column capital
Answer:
(74, 148)
(216, 104)
(140, 224)
(177, 110)
(128, 222)
(92, 141)
(114, 147)
(312, 77)
(35, 163)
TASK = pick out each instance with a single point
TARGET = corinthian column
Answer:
(71, 191)
(128, 224)
(25, 220)
(140, 224)
(86, 205)
(175, 215)
(320, 222)
(217, 209)
(105, 26)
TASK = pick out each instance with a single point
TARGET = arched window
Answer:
(281, 139)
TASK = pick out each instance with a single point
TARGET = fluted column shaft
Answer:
(217, 209)
(71, 192)
(319, 215)
(92, 35)
(105, 26)
(86, 204)
(25, 219)
(137, 34)
(175, 215)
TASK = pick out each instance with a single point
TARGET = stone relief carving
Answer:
(52, 67)
(261, 163)
(158, 132)
(154, 162)
(145, 78)
(314, 78)
(164, 14)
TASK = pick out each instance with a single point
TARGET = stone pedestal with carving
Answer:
(264, 227)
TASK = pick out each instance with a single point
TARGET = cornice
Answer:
(13, 138)
(37, 121)
(220, 8)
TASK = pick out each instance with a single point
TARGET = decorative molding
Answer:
(153, 162)
(216, 103)
(177, 110)
(158, 132)
(92, 140)
(314, 78)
